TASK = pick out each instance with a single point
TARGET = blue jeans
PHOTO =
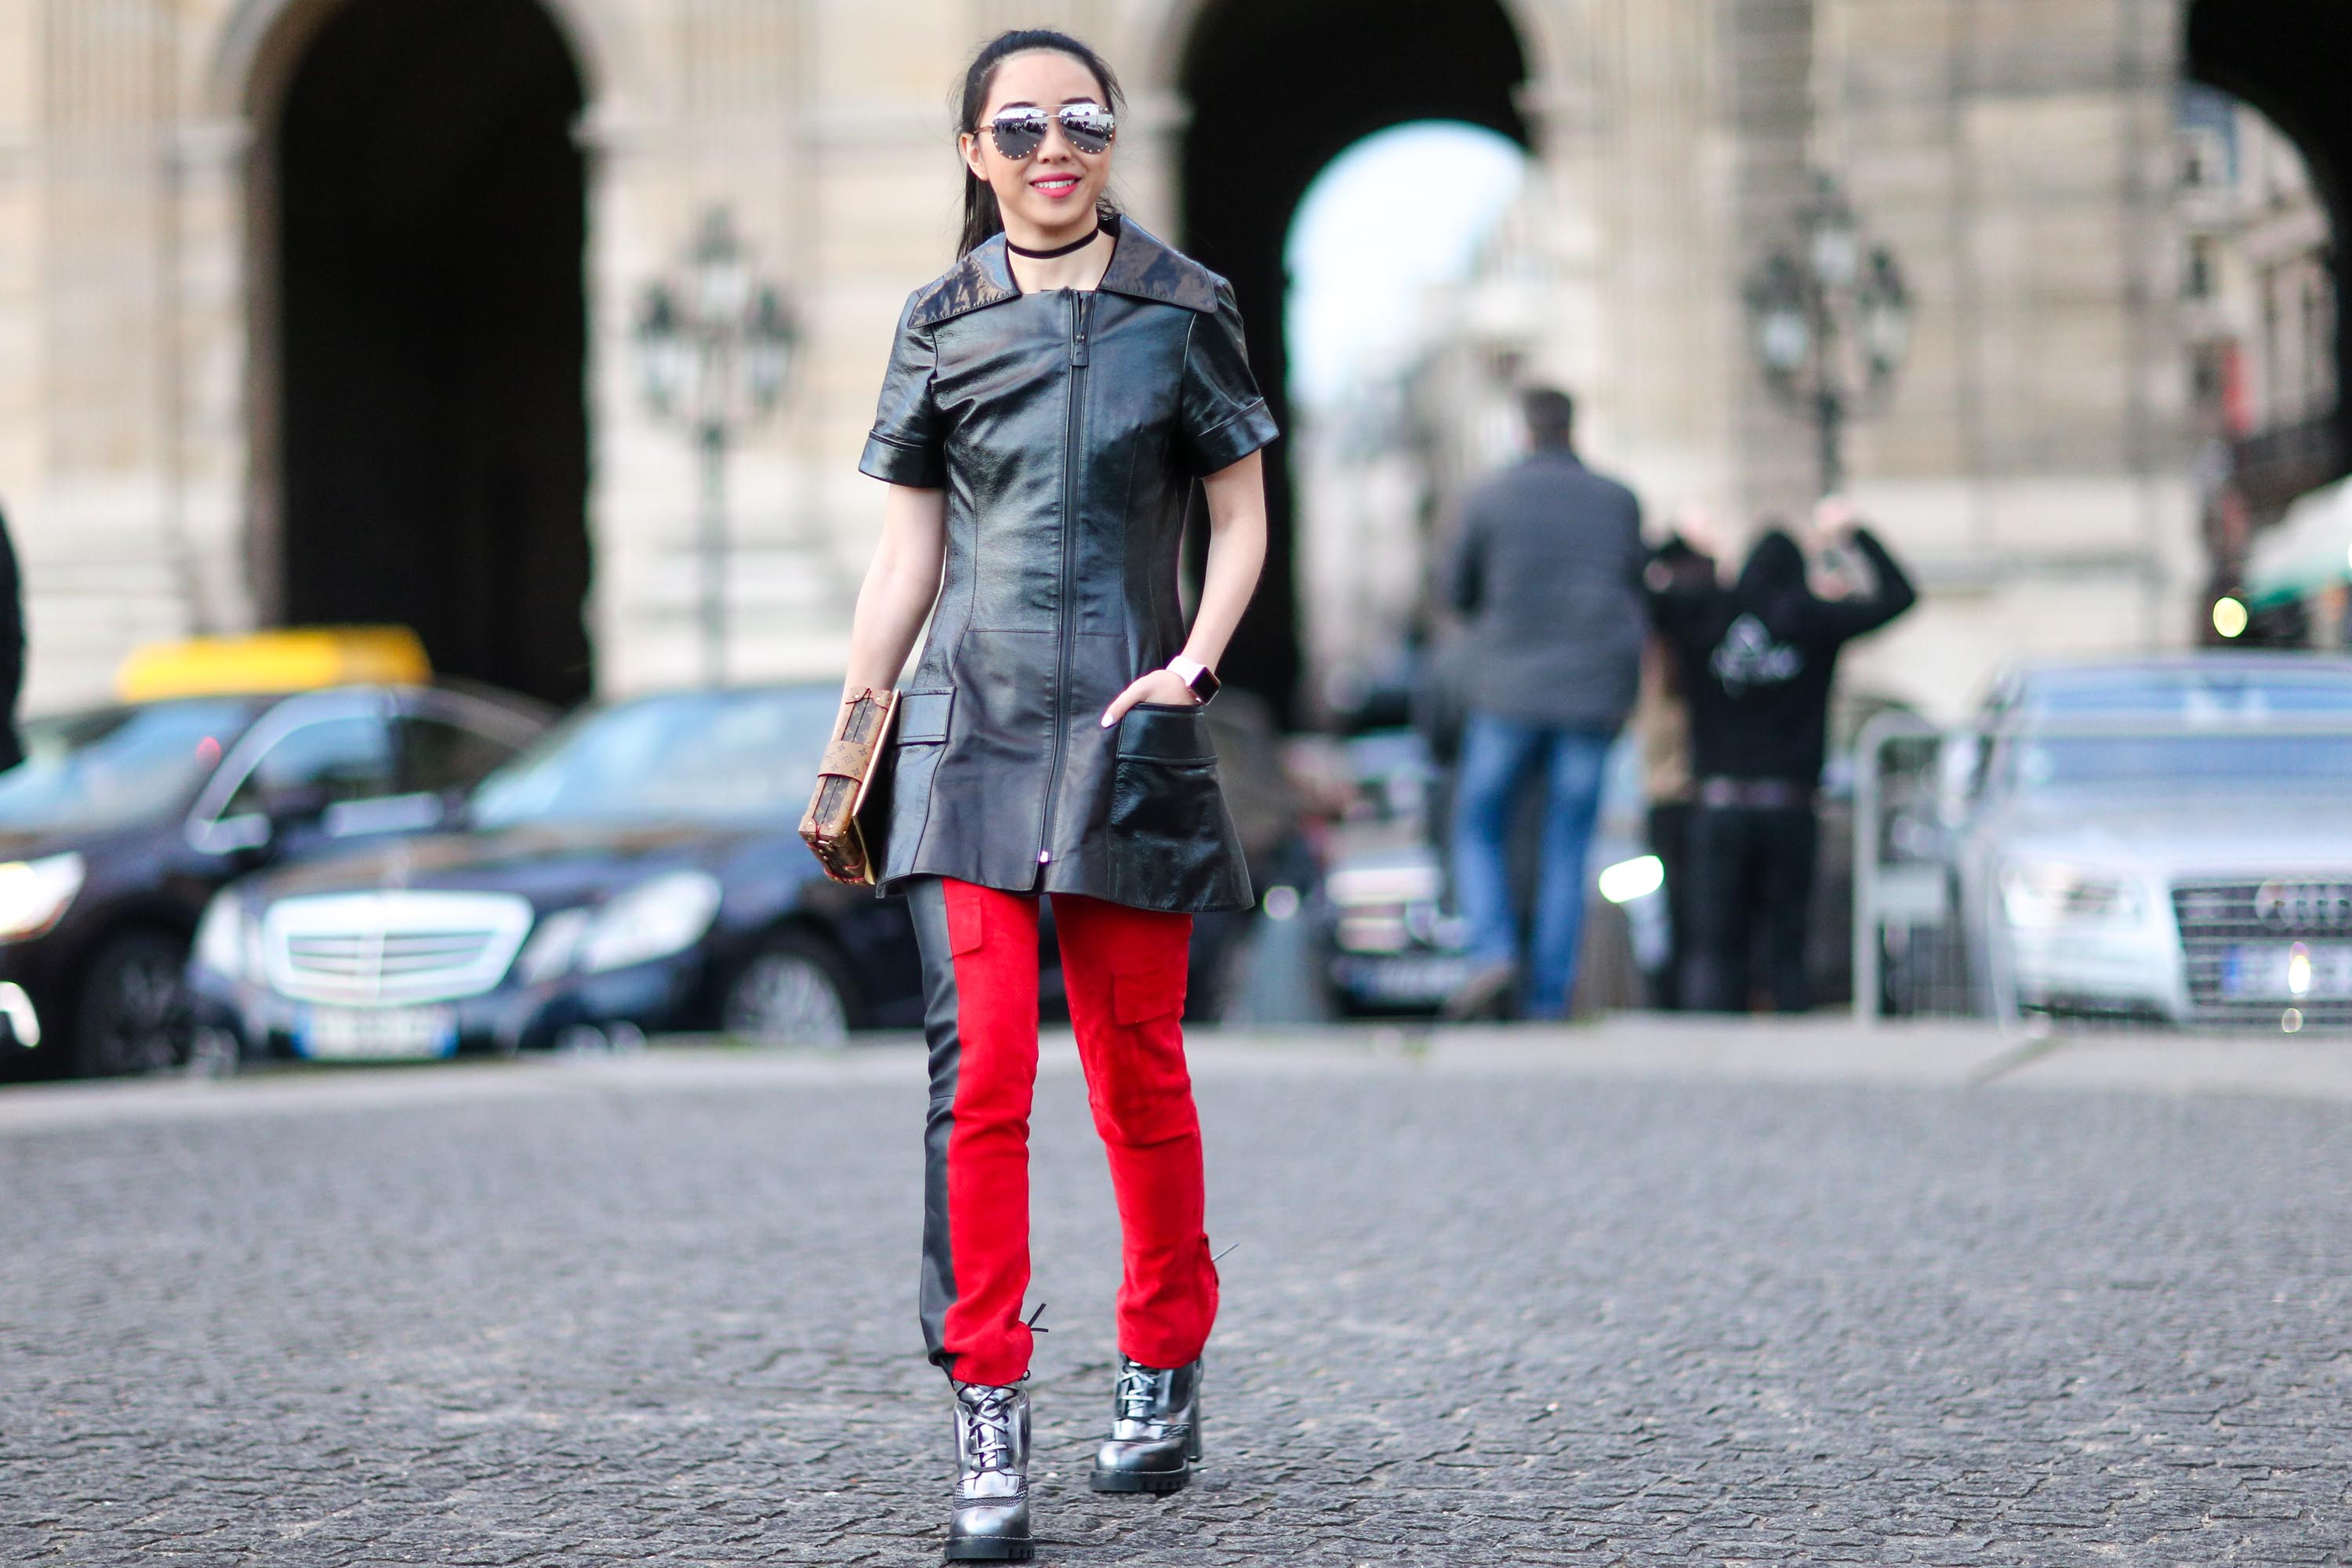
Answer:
(1498, 757)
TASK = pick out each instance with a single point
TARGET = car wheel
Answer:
(131, 1012)
(212, 1053)
(792, 992)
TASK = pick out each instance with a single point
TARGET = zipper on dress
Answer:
(1079, 302)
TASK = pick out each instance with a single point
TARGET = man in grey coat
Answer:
(1546, 572)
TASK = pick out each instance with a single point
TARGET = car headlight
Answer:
(222, 944)
(35, 893)
(553, 946)
(2055, 895)
(652, 920)
(1630, 879)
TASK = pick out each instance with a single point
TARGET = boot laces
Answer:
(1138, 1392)
(989, 1419)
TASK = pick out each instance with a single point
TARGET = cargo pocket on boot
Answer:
(967, 924)
(1145, 1097)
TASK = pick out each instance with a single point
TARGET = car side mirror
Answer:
(295, 805)
(239, 834)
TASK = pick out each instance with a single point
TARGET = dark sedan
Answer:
(637, 870)
(121, 822)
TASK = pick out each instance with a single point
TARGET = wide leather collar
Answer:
(1142, 268)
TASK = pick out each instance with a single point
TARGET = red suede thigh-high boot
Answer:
(982, 1085)
(1124, 970)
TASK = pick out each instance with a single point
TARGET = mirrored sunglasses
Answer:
(1088, 127)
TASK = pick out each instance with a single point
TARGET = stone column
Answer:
(102, 528)
(1767, 46)
(24, 362)
(1572, 115)
(207, 351)
(1676, 363)
(2033, 463)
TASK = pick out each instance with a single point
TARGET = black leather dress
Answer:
(1068, 428)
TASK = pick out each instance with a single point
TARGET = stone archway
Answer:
(419, 329)
(1327, 73)
(2286, 58)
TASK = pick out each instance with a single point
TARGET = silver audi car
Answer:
(2161, 838)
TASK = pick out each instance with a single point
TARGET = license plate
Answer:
(377, 1034)
(1430, 978)
(2288, 971)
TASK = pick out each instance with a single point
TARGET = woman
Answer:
(1050, 401)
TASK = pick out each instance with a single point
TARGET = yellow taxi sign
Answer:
(297, 658)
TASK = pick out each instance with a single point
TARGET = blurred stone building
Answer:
(2259, 311)
(322, 310)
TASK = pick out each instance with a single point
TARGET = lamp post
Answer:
(1831, 320)
(714, 347)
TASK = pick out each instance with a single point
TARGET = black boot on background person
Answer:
(1155, 1430)
(992, 1502)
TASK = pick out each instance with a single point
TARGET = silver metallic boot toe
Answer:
(1155, 1430)
(991, 1503)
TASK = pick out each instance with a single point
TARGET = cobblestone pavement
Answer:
(1596, 1299)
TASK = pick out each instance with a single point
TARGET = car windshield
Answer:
(117, 767)
(734, 757)
(2287, 729)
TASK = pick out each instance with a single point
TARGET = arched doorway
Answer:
(430, 404)
(2283, 58)
(1277, 89)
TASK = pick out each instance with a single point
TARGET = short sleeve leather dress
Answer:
(1068, 428)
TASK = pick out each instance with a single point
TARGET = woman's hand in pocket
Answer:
(1159, 686)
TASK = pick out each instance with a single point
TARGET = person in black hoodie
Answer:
(1757, 659)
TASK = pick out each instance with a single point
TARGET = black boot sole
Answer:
(1158, 1481)
(990, 1551)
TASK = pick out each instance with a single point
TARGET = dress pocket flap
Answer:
(1165, 733)
(923, 716)
(1146, 994)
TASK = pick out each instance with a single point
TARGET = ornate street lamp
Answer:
(1830, 321)
(714, 349)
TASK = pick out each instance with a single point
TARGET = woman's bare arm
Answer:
(1236, 554)
(900, 586)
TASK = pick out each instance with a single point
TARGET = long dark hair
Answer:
(982, 221)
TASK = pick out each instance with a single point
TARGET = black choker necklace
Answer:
(1074, 246)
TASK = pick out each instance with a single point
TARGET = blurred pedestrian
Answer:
(1761, 656)
(1662, 721)
(1546, 572)
(1050, 401)
(12, 650)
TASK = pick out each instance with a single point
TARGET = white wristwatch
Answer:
(1196, 675)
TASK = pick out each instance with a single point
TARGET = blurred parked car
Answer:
(1394, 946)
(2163, 838)
(640, 870)
(1284, 866)
(122, 821)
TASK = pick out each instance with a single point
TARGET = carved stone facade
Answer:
(2019, 155)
